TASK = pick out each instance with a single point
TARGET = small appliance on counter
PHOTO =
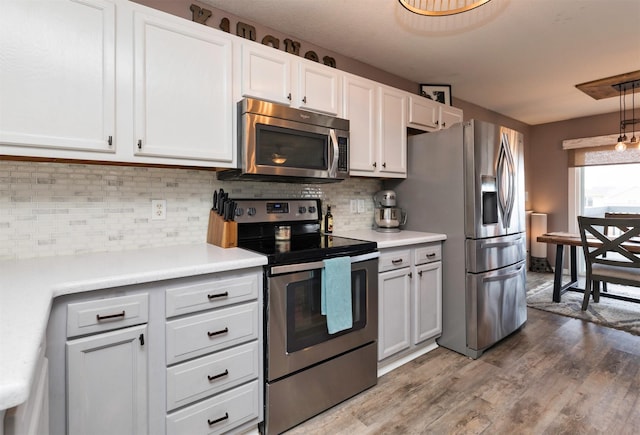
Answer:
(387, 216)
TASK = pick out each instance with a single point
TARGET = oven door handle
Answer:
(304, 267)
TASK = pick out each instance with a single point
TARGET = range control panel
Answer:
(277, 210)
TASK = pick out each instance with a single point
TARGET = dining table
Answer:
(573, 241)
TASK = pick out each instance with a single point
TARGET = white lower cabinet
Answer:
(107, 383)
(410, 307)
(180, 356)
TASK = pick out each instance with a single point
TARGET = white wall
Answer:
(51, 209)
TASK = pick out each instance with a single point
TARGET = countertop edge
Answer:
(24, 316)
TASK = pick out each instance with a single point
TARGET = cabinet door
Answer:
(183, 102)
(394, 312)
(319, 87)
(427, 302)
(107, 383)
(392, 136)
(423, 113)
(57, 74)
(449, 115)
(360, 110)
(266, 73)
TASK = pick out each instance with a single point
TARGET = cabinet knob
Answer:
(384, 165)
(289, 96)
(110, 140)
(437, 122)
(375, 165)
(420, 273)
(139, 144)
(410, 274)
(304, 100)
(444, 124)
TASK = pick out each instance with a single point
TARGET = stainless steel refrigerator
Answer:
(468, 183)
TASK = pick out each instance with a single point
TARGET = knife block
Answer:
(222, 233)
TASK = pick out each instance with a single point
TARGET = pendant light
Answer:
(633, 140)
(621, 145)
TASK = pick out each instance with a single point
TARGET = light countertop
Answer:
(392, 240)
(27, 289)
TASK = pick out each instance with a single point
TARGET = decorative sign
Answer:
(247, 31)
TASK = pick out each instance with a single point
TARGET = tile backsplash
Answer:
(51, 209)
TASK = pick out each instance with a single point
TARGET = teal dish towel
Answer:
(336, 294)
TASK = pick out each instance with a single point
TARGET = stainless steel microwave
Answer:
(286, 144)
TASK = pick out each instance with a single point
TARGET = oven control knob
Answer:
(302, 209)
(312, 209)
(251, 211)
(239, 211)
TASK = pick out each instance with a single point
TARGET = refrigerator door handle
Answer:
(501, 244)
(506, 180)
(504, 276)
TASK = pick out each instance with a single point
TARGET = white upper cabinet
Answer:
(182, 89)
(57, 76)
(449, 115)
(266, 73)
(392, 133)
(274, 75)
(423, 113)
(319, 87)
(359, 107)
(429, 115)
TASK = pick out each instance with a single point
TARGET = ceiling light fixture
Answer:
(441, 8)
(622, 89)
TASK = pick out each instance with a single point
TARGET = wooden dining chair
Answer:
(616, 230)
(607, 259)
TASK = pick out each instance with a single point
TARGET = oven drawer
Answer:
(211, 374)
(216, 330)
(103, 315)
(213, 293)
(427, 254)
(390, 260)
(218, 414)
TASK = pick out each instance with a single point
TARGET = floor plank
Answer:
(555, 375)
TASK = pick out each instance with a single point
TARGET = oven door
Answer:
(296, 331)
(274, 146)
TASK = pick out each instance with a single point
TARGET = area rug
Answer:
(608, 312)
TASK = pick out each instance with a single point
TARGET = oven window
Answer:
(306, 326)
(278, 146)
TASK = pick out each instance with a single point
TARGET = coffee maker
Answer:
(388, 217)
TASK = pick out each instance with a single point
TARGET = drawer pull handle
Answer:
(431, 255)
(214, 333)
(218, 295)
(218, 420)
(219, 375)
(397, 261)
(109, 316)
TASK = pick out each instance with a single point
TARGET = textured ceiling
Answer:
(520, 58)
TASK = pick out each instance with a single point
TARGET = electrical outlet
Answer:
(158, 209)
(361, 206)
(354, 206)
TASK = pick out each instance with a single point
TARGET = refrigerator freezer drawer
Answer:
(495, 252)
(496, 305)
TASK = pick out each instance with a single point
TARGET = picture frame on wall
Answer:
(439, 93)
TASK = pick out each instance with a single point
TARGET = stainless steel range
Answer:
(307, 369)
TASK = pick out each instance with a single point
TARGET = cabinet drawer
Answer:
(220, 414)
(428, 254)
(209, 375)
(394, 260)
(213, 294)
(107, 314)
(216, 330)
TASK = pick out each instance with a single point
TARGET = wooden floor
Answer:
(557, 375)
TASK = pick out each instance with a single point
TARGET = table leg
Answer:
(557, 278)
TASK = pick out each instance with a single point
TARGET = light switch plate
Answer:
(354, 206)
(361, 206)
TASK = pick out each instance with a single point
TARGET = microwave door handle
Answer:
(333, 158)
